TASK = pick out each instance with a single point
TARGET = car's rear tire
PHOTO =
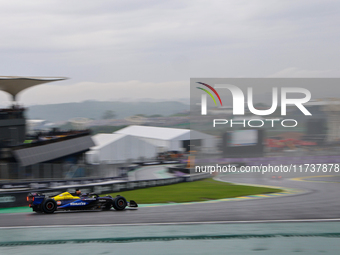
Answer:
(49, 206)
(36, 209)
(119, 203)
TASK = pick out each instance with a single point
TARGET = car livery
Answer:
(66, 201)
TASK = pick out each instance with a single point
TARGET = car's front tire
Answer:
(49, 206)
(119, 203)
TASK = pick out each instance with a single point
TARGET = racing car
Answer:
(66, 201)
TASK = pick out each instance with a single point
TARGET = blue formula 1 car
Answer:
(65, 201)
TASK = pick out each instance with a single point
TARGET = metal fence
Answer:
(49, 171)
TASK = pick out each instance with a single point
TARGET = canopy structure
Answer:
(170, 139)
(15, 84)
(119, 149)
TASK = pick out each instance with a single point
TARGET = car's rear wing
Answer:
(31, 197)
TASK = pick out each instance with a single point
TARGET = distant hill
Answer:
(96, 109)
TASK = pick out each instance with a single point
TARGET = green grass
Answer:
(202, 190)
(22, 209)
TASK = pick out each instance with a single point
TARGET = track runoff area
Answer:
(307, 196)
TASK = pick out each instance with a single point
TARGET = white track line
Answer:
(297, 191)
(182, 223)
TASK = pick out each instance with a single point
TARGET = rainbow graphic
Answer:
(209, 93)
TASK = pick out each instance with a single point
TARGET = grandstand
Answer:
(17, 147)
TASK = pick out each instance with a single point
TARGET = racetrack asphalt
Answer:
(318, 201)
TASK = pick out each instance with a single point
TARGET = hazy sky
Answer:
(150, 49)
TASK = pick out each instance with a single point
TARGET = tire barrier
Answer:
(175, 169)
(36, 184)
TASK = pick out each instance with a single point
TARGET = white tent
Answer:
(170, 139)
(119, 148)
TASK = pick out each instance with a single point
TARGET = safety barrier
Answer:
(18, 198)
